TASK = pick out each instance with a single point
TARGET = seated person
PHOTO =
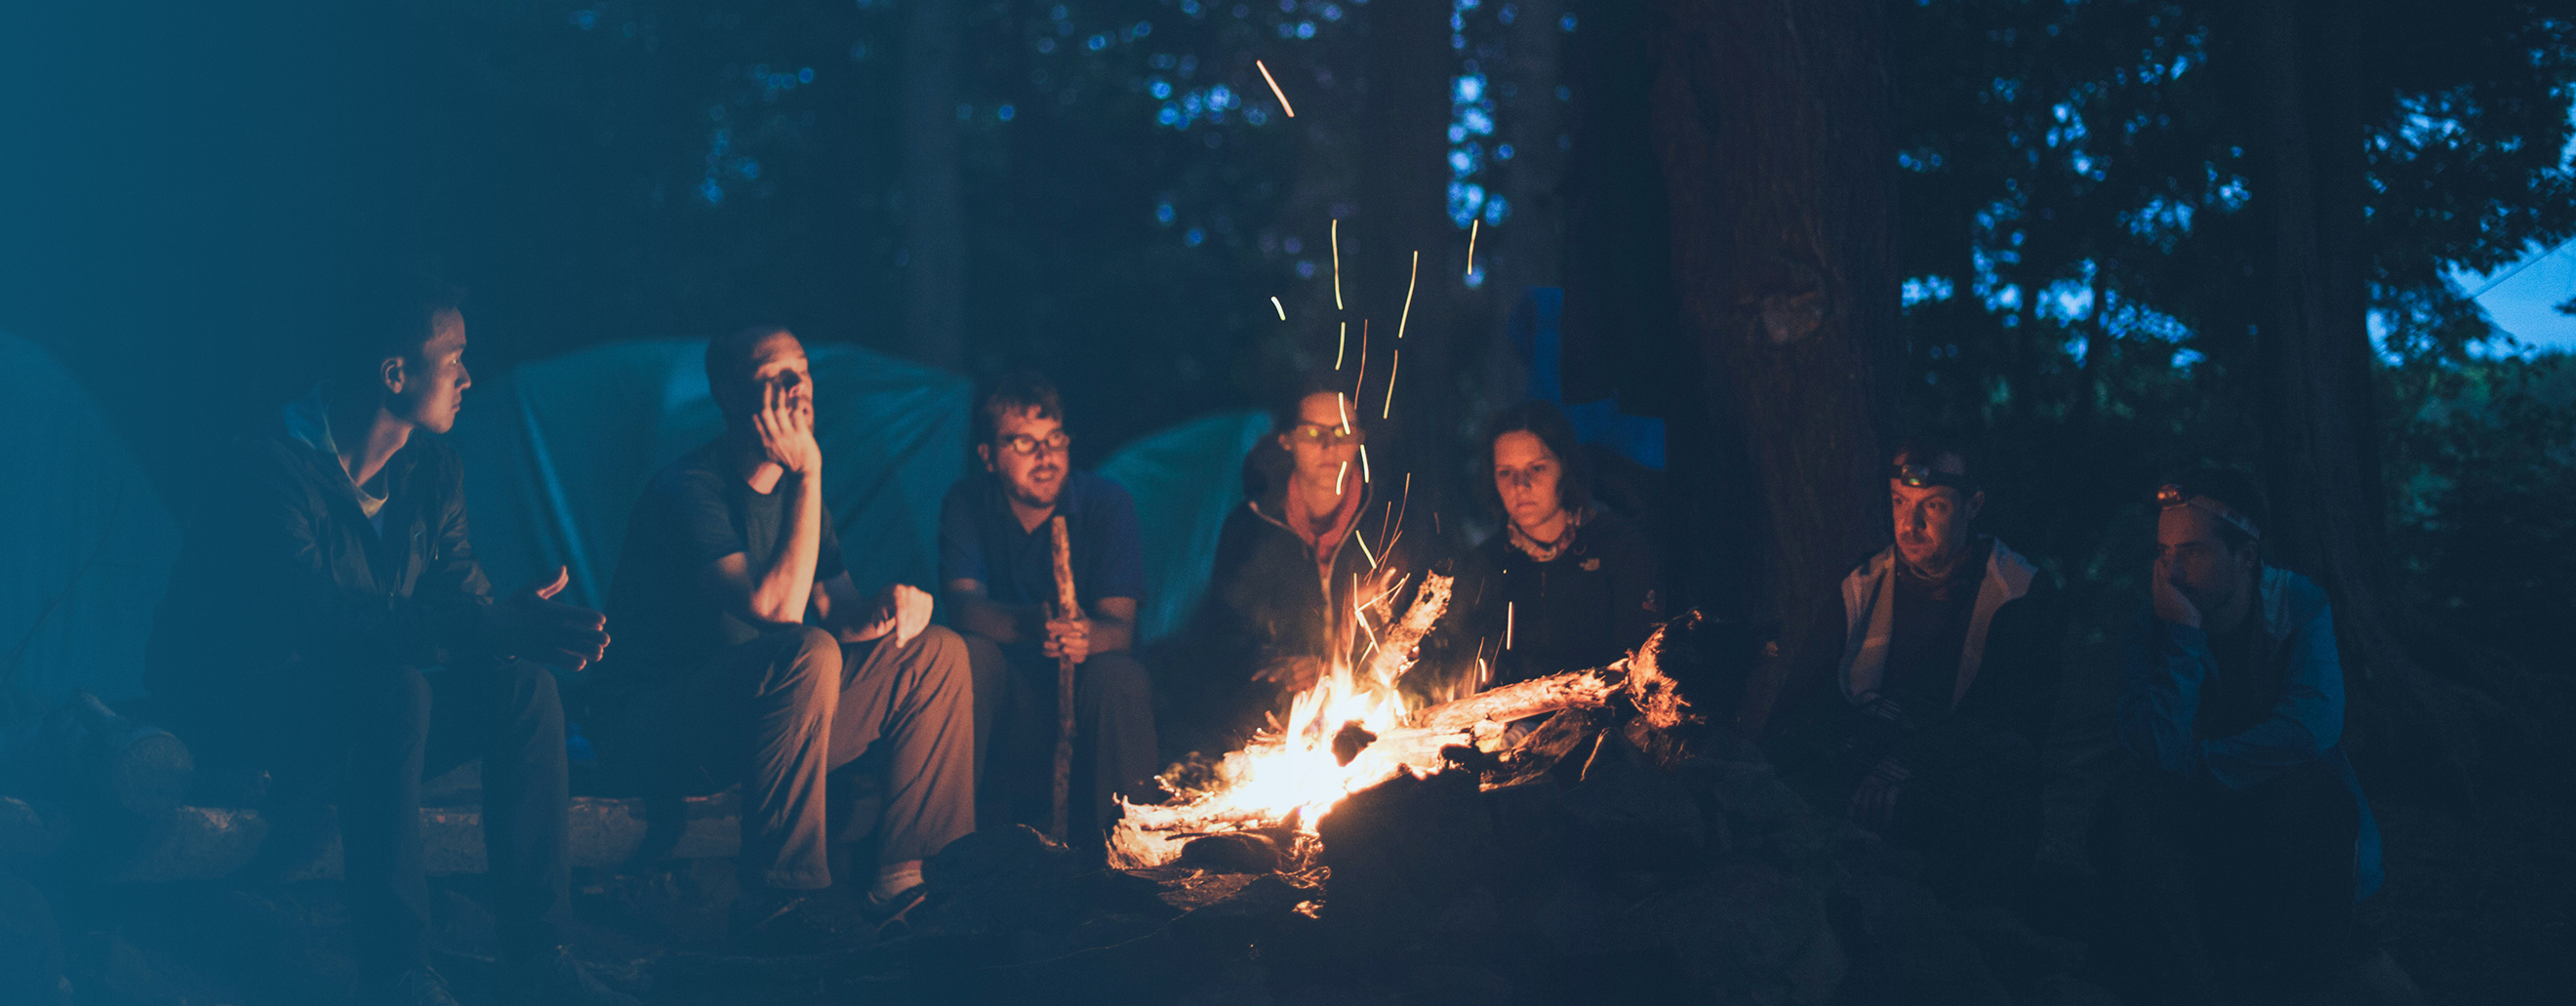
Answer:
(997, 563)
(1315, 529)
(2242, 839)
(1923, 698)
(753, 658)
(327, 621)
(1566, 585)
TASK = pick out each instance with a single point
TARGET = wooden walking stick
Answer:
(1066, 607)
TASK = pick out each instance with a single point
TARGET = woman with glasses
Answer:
(1322, 520)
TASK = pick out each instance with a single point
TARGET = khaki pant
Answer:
(781, 712)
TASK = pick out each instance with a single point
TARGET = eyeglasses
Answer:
(1915, 476)
(1327, 436)
(2174, 494)
(1025, 445)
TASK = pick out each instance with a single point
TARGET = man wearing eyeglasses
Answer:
(997, 566)
(754, 658)
(2242, 838)
(1931, 710)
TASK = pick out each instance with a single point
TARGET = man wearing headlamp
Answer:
(2242, 839)
(1930, 707)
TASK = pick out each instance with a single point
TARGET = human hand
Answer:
(1873, 804)
(532, 625)
(1068, 639)
(785, 423)
(907, 608)
(1292, 674)
(2171, 606)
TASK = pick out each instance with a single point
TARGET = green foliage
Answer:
(2082, 243)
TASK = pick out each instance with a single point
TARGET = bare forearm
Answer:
(781, 591)
(1111, 635)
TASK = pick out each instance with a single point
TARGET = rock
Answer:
(1756, 802)
(1910, 950)
(1402, 848)
(30, 831)
(1746, 933)
(31, 949)
(1000, 881)
(1628, 815)
(2018, 955)
(1234, 852)
(204, 843)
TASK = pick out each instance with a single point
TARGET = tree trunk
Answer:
(1403, 209)
(1770, 120)
(2319, 399)
(934, 225)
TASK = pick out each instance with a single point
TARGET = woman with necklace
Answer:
(1565, 585)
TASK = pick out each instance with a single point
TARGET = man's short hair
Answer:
(729, 355)
(1015, 391)
(393, 311)
(2236, 491)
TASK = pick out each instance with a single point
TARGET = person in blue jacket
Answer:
(2242, 838)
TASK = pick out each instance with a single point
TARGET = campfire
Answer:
(1354, 729)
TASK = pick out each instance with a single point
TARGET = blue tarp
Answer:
(557, 452)
(1185, 480)
(88, 545)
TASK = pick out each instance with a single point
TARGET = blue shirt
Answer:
(981, 540)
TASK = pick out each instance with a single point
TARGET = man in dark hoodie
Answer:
(1316, 530)
(1927, 691)
(327, 621)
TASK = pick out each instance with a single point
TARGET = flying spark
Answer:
(1342, 347)
(1391, 367)
(1274, 89)
(1507, 625)
(1408, 295)
(1337, 271)
(1344, 413)
(1274, 305)
(1364, 551)
(1364, 465)
(1471, 246)
(1340, 477)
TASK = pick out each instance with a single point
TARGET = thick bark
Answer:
(2318, 400)
(1770, 120)
(934, 223)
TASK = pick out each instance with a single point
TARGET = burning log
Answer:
(1396, 649)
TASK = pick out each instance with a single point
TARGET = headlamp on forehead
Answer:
(2175, 494)
(1914, 476)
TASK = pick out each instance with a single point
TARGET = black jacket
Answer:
(283, 581)
(1265, 601)
(1587, 607)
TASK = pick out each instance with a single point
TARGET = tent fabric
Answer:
(88, 542)
(558, 451)
(1185, 480)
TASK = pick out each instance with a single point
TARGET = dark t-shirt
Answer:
(980, 539)
(660, 613)
(1931, 629)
